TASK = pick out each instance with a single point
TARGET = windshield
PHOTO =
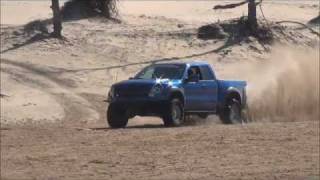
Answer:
(163, 71)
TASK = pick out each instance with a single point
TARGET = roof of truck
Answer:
(187, 63)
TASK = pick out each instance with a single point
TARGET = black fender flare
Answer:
(178, 93)
(235, 93)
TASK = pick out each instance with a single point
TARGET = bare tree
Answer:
(57, 20)
(252, 14)
(252, 11)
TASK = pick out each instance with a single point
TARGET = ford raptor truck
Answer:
(172, 91)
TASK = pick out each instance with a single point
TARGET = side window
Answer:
(206, 73)
(195, 70)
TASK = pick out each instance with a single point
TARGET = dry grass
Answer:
(78, 9)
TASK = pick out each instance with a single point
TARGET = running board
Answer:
(210, 112)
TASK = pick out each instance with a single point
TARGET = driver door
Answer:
(193, 90)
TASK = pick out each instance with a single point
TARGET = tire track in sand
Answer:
(78, 110)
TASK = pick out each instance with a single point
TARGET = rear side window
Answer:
(206, 73)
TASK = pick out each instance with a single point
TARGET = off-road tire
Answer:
(231, 113)
(116, 117)
(174, 115)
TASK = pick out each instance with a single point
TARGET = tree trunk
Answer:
(252, 14)
(57, 22)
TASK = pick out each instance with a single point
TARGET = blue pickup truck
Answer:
(175, 90)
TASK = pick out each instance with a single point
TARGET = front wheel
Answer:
(231, 113)
(116, 117)
(175, 114)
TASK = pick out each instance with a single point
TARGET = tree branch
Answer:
(299, 23)
(230, 6)
(258, 3)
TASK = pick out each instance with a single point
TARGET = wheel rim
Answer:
(176, 113)
(235, 116)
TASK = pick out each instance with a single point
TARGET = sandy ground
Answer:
(256, 151)
(190, 11)
(53, 116)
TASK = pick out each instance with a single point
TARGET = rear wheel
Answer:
(116, 116)
(174, 114)
(231, 113)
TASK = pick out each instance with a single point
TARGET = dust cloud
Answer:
(285, 87)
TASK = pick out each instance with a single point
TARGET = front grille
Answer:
(133, 91)
(128, 93)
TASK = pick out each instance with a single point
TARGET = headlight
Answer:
(155, 90)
